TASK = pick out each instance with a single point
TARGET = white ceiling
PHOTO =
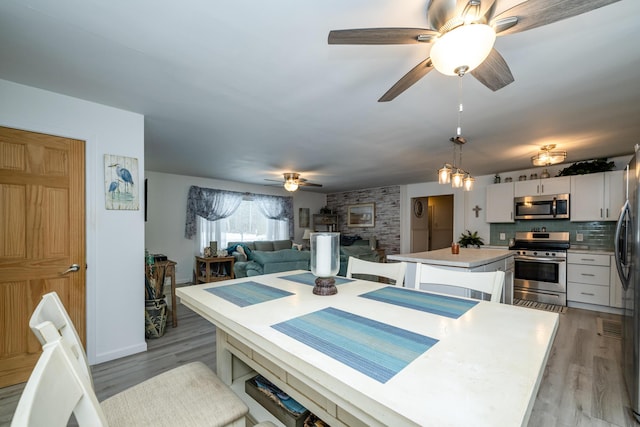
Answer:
(245, 90)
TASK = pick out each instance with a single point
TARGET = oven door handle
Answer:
(535, 258)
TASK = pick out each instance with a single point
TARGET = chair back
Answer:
(57, 388)
(486, 282)
(393, 270)
(51, 309)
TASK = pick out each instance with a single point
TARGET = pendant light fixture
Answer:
(548, 156)
(452, 172)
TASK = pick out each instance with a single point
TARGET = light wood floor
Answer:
(582, 384)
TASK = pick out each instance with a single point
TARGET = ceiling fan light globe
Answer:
(291, 186)
(463, 48)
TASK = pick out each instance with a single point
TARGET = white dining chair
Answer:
(488, 283)
(57, 388)
(189, 395)
(392, 270)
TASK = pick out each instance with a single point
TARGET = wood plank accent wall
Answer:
(387, 223)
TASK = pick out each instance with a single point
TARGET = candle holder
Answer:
(325, 262)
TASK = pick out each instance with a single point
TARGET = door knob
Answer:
(72, 269)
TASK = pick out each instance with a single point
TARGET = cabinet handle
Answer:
(588, 294)
(538, 189)
(607, 212)
(587, 274)
(542, 188)
(600, 212)
(587, 259)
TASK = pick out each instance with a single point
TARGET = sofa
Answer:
(358, 249)
(264, 257)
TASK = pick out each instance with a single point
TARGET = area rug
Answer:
(540, 305)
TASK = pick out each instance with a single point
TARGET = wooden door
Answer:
(42, 233)
(419, 224)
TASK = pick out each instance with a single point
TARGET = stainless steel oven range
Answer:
(541, 266)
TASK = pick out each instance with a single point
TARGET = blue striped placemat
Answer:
(442, 305)
(376, 349)
(248, 293)
(310, 279)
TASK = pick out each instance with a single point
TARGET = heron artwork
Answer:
(124, 175)
(120, 179)
(113, 187)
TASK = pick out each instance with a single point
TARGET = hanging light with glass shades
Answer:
(452, 172)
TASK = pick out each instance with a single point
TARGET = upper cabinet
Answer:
(535, 187)
(597, 196)
(500, 203)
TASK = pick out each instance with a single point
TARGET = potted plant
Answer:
(470, 239)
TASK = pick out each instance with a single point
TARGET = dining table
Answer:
(375, 354)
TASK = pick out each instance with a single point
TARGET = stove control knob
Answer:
(535, 253)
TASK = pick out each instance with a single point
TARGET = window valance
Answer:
(213, 204)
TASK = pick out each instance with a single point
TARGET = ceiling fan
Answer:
(462, 35)
(292, 181)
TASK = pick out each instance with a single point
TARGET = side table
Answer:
(214, 269)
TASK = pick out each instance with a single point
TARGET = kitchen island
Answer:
(471, 259)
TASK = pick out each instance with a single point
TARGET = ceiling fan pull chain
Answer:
(460, 108)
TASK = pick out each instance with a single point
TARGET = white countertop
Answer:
(472, 376)
(467, 258)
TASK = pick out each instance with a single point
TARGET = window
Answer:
(246, 224)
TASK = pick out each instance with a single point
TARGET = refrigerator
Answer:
(627, 254)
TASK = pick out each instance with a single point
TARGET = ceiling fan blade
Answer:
(494, 72)
(416, 73)
(274, 180)
(382, 36)
(308, 184)
(536, 13)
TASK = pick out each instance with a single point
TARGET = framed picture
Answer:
(121, 183)
(361, 215)
(303, 217)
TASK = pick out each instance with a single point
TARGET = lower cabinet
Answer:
(593, 279)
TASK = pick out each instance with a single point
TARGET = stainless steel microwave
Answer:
(552, 206)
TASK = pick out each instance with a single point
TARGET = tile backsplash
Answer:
(597, 235)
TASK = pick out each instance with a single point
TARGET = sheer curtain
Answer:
(228, 216)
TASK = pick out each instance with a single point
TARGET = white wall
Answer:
(115, 239)
(167, 209)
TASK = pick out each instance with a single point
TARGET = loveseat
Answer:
(264, 257)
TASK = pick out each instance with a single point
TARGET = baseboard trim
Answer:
(122, 352)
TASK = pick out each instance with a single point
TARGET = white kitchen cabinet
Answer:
(538, 187)
(615, 291)
(588, 277)
(499, 206)
(597, 196)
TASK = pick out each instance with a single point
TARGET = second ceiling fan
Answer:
(462, 35)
